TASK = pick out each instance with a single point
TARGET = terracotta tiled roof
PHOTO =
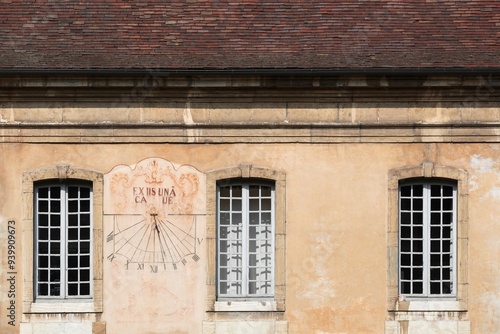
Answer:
(250, 34)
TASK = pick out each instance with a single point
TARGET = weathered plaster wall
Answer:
(336, 207)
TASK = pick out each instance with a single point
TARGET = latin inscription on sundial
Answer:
(155, 208)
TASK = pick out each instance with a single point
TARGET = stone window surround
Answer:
(61, 172)
(246, 172)
(459, 304)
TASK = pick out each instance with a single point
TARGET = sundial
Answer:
(154, 207)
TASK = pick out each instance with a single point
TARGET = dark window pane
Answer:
(436, 204)
(405, 273)
(43, 261)
(405, 245)
(418, 190)
(43, 234)
(73, 289)
(73, 220)
(417, 218)
(417, 232)
(435, 246)
(55, 289)
(417, 273)
(224, 205)
(252, 288)
(43, 275)
(55, 262)
(418, 288)
(265, 191)
(435, 218)
(405, 218)
(406, 259)
(72, 275)
(55, 234)
(85, 206)
(446, 260)
(85, 275)
(73, 206)
(55, 206)
(447, 218)
(43, 289)
(446, 287)
(417, 204)
(224, 191)
(55, 276)
(405, 232)
(85, 219)
(435, 190)
(405, 204)
(72, 192)
(72, 247)
(435, 232)
(85, 261)
(84, 192)
(447, 191)
(446, 273)
(72, 233)
(43, 220)
(85, 247)
(43, 248)
(85, 234)
(55, 192)
(43, 192)
(446, 232)
(43, 206)
(405, 287)
(447, 204)
(417, 260)
(55, 247)
(435, 288)
(72, 261)
(446, 246)
(254, 191)
(435, 274)
(406, 191)
(85, 289)
(435, 260)
(236, 191)
(417, 246)
(55, 220)
(223, 288)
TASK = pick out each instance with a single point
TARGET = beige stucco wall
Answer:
(336, 207)
(336, 151)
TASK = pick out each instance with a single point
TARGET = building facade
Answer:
(263, 193)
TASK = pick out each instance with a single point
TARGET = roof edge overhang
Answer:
(112, 72)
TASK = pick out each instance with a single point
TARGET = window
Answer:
(63, 243)
(427, 234)
(245, 240)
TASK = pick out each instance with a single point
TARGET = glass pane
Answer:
(435, 190)
(43, 234)
(72, 192)
(417, 204)
(85, 261)
(85, 234)
(435, 218)
(254, 190)
(43, 289)
(43, 261)
(447, 191)
(252, 274)
(224, 218)
(417, 260)
(236, 218)
(85, 275)
(73, 289)
(43, 248)
(254, 204)
(72, 275)
(55, 192)
(405, 204)
(85, 206)
(254, 218)
(73, 206)
(55, 234)
(224, 205)
(43, 192)
(418, 273)
(266, 191)
(266, 204)
(43, 275)
(224, 191)
(406, 191)
(266, 218)
(405, 218)
(55, 289)
(72, 247)
(72, 233)
(72, 261)
(417, 246)
(223, 260)
(55, 248)
(85, 219)
(85, 247)
(436, 204)
(405, 273)
(223, 274)
(405, 287)
(55, 262)
(73, 220)
(55, 220)
(236, 205)
(84, 192)
(55, 206)
(435, 232)
(418, 288)
(435, 246)
(435, 288)
(418, 190)
(417, 218)
(435, 260)
(223, 288)
(236, 191)
(417, 232)
(43, 220)
(435, 274)
(43, 206)
(55, 276)
(252, 288)
(405, 232)
(405, 245)
(447, 204)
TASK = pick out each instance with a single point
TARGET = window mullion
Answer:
(427, 233)
(64, 241)
(245, 235)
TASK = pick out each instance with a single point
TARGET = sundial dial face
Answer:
(155, 209)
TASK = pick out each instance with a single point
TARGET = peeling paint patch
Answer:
(482, 165)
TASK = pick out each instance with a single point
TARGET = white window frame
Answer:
(245, 198)
(426, 240)
(64, 240)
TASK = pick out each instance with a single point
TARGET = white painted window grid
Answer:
(427, 239)
(63, 241)
(245, 240)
